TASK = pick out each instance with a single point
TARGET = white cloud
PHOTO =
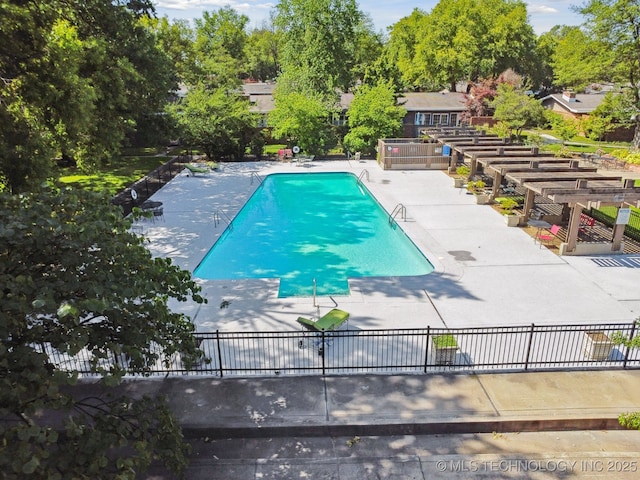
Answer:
(542, 9)
(200, 5)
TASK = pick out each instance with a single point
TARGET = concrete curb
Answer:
(434, 428)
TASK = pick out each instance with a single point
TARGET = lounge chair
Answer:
(195, 169)
(332, 320)
(300, 159)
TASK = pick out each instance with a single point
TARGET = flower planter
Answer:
(597, 346)
(458, 182)
(482, 198)
(193, 360)
(445, 347)
(512, 220)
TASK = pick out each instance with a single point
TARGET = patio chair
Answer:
(332, 320)
(548, 237)
(195, 169)
(586, 222)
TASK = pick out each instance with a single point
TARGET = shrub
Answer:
(463, 170)
(630, 420)
(476, 186)
(444, 341)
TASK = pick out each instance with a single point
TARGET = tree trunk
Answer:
(636, 136)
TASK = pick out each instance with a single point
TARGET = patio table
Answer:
(540, 225)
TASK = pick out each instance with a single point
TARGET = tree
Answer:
(176, 39)
(565, 128)
(74, 279)
(302, 119)
(92, 75)
(373, 114)
(216, 120)
(400, 50)
(615, 24)
(468, 40)
(263, 53)
(318, 39)
(478, 100)
(517, 109)
(220, 47)
(578, 60)
(367, 49)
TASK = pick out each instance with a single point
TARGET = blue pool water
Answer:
(304, 226)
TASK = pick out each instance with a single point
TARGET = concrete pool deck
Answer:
(486, 274)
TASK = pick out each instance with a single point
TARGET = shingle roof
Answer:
(584, 102)
(433, 101)
(258, 88)
(261, 98)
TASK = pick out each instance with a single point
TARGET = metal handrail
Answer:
(399, 209)
(364, 173)
(220, 215)
(257, 177)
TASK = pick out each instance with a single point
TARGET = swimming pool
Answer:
(306, 227)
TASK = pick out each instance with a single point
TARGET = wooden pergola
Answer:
(583, 191)
(560, 180)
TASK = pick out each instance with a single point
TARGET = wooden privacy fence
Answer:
(412, 154)
(414, 351)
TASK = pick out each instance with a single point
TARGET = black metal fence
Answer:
(519, 348)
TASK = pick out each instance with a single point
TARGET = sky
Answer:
(543, 15)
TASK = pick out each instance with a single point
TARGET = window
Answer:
(420, 119)
(339, 119)
(440, 119)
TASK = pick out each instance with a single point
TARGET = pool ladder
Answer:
(364, 173)
(399, 209)
(254, 175)
(219, 216)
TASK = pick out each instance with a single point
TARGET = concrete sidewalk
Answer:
(390, 405)
(538, 425)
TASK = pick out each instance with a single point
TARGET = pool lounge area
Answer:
(485, 274)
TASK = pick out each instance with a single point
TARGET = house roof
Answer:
(258, 88)
(261, 103)
(583, 103)
(433, 101)
(261, 98)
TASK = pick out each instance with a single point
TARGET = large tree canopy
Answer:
(77, 77)
(400, 50)
(616, 25)
(216, 120)
(579, 60)
(464, 40)
(373, 114)
(220, 41)
(73, 279)
(319, 37)
(302, 119)
(516, 109)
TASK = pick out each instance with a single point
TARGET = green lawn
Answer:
(580, 144)
(113, 177)
(273, 149)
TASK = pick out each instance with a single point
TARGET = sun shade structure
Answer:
(559, 180)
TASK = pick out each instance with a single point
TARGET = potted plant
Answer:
(194, 358)
(476, 188)
(462, 173)
(511, 218)
(597, 345)
(445, 347)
